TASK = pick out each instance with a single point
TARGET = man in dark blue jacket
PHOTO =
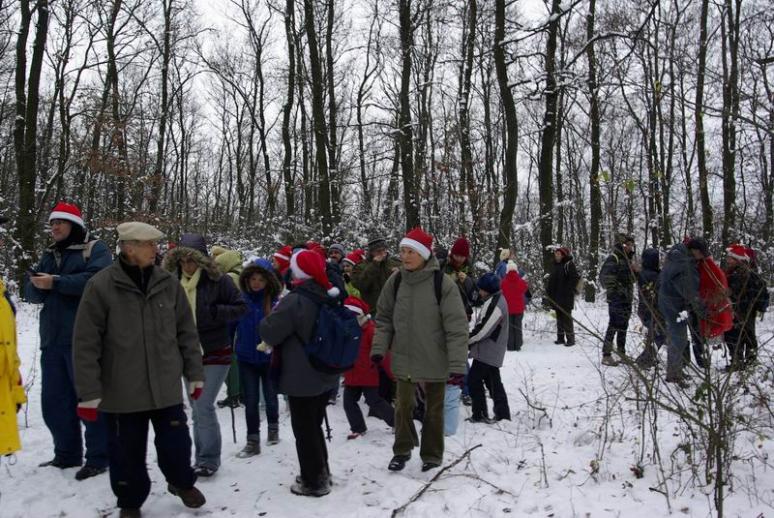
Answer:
(58, 282)
(617, 276)
(678, 295)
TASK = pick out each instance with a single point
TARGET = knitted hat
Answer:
(505, 253)
(218, 250)
(337, 247)
(461, 247)
(738, 252)
(68, 212)
(511, 267)
(489, 282)
(357, 305)
(194, 241)
(355, 258)
(283, 258)
(377, 244)
(563, 250)
(419, 241)
(700, 244)
(307, 264)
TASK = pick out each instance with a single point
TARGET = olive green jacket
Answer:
(428, 341)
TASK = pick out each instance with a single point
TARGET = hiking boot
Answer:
(58, 463)
(192, 497)
(229, 402)
(609, 361)
(466, 400)
(355, 435)
(88, 472)
(301, 489)
(251, 449)
(204, 471)
(427, 466)
(398, 462)
(130, 512)
(681, 380)
(273, 437)
(569, 344)
(481, 419)
(559, 342)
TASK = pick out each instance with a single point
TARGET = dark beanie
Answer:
(489, 282)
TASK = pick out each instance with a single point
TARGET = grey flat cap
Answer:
(138, 231)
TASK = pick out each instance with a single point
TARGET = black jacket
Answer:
(562, 283)
(616, 276)
(747, 292)
(648, 285)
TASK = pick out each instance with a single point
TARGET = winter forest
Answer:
(522, 124)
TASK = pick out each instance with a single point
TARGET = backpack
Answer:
(437, 284)
(335, 344)
(761, 292)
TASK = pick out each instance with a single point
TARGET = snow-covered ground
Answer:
(558, 463)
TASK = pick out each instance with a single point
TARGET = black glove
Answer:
(18, 407)
(346, 277)
(376, 359)
(456, 379)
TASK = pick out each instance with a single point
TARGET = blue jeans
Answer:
(205, 420)
(59, 404)
(451, 410)
(255, 378)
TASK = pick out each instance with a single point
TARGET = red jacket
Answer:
(713, 291)
(514, 288)
(365, 373)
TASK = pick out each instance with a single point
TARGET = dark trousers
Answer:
(377, 405)
(127, 447)
(565, 329)
(619, 312)
(255, 378)
(406, 437)
(655, 337)
(697, 343)
(741, 341)
(59, 404)
(515, 336)
(306, 418)
(482, 375)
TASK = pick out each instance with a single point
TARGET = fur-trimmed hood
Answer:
(262, 266)
(172, 259)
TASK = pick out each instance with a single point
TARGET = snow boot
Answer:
(130, 512)
(58, 463)
(273, 437)
(609, 361)
(88, 472)
(192, 497)
(398, 462)
(251, 449)
(204, 471)
(427, 466)
(355, 435)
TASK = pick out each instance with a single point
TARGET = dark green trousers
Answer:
(431, 449)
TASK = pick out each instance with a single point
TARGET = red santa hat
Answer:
(356, 257)
(316, 247)
(68, 212)
(283, 258)
(419, 241)
(357, 305)
(738, 252)
(306, 264)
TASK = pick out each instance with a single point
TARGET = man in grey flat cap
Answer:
(134, 339)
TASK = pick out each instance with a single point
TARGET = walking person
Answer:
(57, 282)
(488, 342)
(261, 289)
(746, 290)
(561, 291)
(617, 276)
(134, 339)
(12, 395)
(647, 308)
(514, 289)
(215, 303)
(421, 320)
(363, 379)
(286, 329)
(229, 262)
(370, 275)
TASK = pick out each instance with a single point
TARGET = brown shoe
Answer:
(191, 497)
(130, 512)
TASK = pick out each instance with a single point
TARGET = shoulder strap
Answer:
(438, 285)
(396, 286)
(87, 250)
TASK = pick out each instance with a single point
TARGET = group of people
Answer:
(690, 294)
(129, 341)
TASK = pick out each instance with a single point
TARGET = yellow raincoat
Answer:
(11, 390)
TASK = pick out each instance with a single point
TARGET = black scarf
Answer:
(77, 237)
(140, 276)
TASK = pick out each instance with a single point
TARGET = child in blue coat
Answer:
(261, 288)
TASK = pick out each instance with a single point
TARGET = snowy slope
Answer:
(559, 462)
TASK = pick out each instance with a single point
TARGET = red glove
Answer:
(195, 389)
(456, 379)
(87, 410)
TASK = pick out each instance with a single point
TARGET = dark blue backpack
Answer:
(335, 344)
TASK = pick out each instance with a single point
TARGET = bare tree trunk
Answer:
(701, 154)
(730, 114)
(466, 155)
(595, 195)
(26, 126)
(405, 129)
(157, 178)
(333, 142)
(511, 129)
(287, 110)
(318, 113)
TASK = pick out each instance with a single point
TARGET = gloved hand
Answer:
(87, 410)
(456, 379)
(376, 360)
(264, 347)
(195, 389)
